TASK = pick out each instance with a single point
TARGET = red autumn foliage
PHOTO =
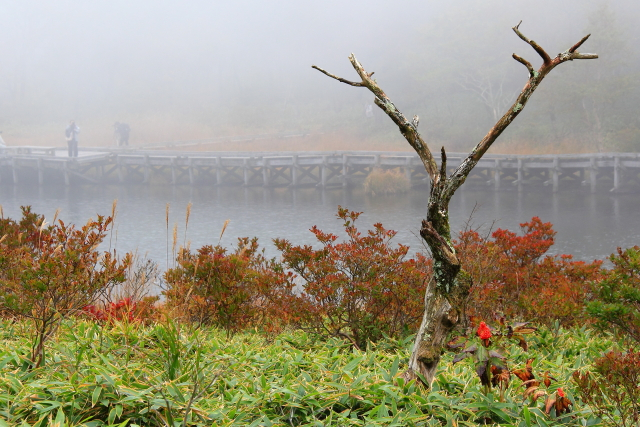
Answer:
(49, 272)
(613, 389)
(123, 310)
(232, 290)
(512, 275)
(362, 288)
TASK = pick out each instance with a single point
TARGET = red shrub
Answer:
(49, 272)
(231, 290)
(613, 390)
(510, 275)
(122, 310)
(360, 289)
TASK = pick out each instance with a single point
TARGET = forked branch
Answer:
(543, 54)
(340, 79)
(409, 129)
(535, 78)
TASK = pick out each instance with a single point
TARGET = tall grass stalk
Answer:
(186, 224)
(174, 245)
(114, 211)
(167, 225)
(224, 227)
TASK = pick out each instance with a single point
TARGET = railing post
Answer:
(323, 172)
(593, 173)
(173, 171)
(67, 179)
(40, 172)
(147, 171)
(294, 171)
(120, 169)
(14, 170)
(617, 174)
(345, 161)
(192, 178)
(265, 172)
(218, 170)
(245, 172)
(555, 173)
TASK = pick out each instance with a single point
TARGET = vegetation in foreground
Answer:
(129, 374)
(319, 337)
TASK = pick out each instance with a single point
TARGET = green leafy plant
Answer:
(616, 305)
(488, 356)
(361, 289)
(491, 367)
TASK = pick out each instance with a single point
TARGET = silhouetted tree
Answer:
(444, 300)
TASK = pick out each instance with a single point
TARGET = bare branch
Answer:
(578, 55)
(526, 63)
(577, 45)
(535, 78)
(443, 165)
(408, 129)
(340, 79)
(437, 243)
(544, 55)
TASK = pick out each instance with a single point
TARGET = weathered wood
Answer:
(617, 174)
(14, 170)
(341, 168)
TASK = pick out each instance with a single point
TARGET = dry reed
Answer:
(386, 182)
(224, 227)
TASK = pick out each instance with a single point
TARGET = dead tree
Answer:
(443, 301)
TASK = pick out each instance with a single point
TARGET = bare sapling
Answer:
(445, 298)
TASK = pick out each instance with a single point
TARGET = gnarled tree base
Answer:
(440, 317)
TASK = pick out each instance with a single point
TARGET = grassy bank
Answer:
(127, 374)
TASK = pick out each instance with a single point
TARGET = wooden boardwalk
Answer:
(50, 166)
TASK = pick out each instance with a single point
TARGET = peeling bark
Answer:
(444, 301)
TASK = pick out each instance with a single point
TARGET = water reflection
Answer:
(589, 225)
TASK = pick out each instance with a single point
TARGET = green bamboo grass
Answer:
(169, 375)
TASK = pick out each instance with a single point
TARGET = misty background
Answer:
(201, 69)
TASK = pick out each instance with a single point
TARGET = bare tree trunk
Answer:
(445, 300)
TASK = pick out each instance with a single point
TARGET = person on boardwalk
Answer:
(72, 138)
(121, 133)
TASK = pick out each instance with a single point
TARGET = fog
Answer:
(200, 69)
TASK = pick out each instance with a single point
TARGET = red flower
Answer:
(560, 392)
(483, 331)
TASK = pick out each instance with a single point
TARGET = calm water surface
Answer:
(589, 226)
